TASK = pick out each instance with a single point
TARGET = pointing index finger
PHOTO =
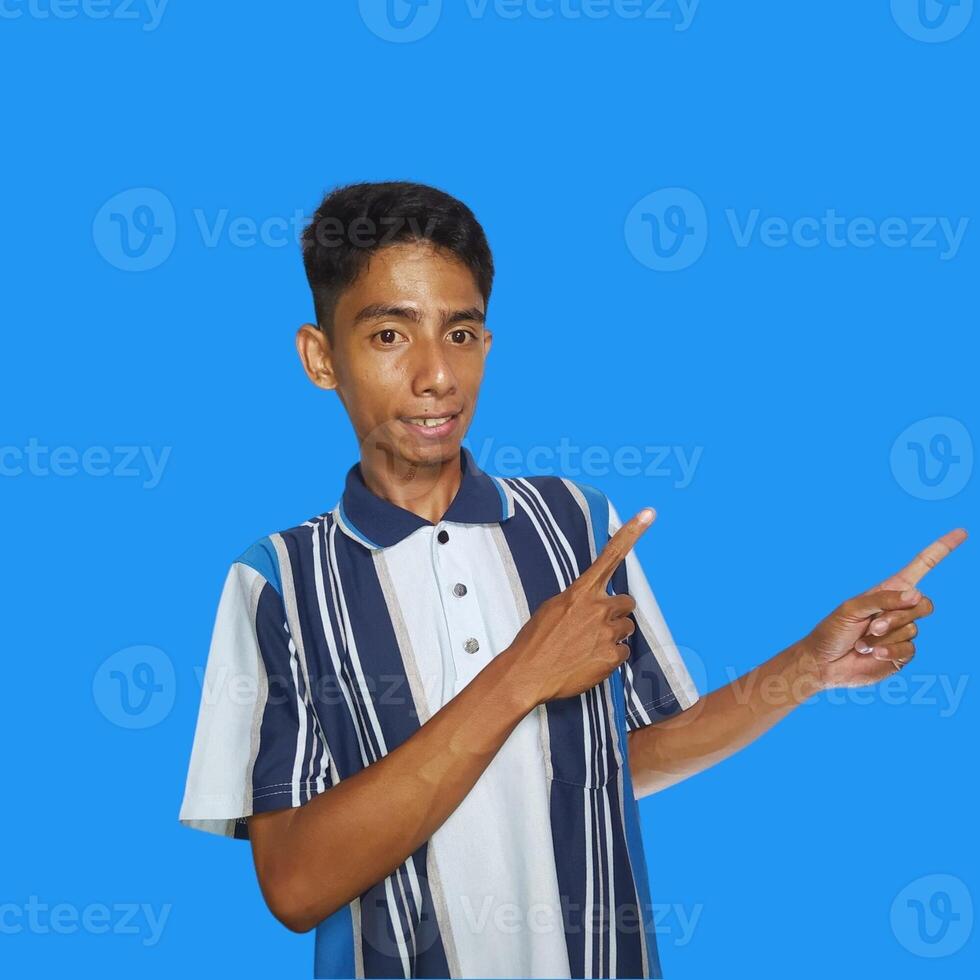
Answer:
(617, 548)
(925, 560)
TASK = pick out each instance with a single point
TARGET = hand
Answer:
(871, 636)
(576, 638)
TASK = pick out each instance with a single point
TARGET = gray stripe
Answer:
(442, 914)
(292, 617)
(262, 694)
(355, 914)
(402, 637)
(524, 614)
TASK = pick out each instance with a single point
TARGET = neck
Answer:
(424, 489)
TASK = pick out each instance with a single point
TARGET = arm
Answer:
(863, 641)
(313, 859)
(720, 724)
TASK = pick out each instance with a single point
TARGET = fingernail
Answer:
(862, 647)
(646, 515)
(879, 626)
(909, 594)
(880, 653)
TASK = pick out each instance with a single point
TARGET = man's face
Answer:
(409, 342)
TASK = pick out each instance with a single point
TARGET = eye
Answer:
(388, 332)
(465, 333)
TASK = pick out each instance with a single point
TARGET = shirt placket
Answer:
(466, 632)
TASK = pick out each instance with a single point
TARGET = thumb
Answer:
(872, 603)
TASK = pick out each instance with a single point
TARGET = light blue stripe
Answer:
(363, 538)
(503, 496)
(263, 558)
(333, 955)
(634, 838)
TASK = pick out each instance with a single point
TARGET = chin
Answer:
(438, 452)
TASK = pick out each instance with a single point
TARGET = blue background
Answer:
(793, 370)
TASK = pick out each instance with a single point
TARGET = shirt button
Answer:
(459, 589)
(471, 645)
(443, 536)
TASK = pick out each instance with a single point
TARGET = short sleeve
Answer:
(257, 745)
(656, 679)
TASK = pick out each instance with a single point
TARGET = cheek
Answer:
(375, 390)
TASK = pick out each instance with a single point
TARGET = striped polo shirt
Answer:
(336, 639)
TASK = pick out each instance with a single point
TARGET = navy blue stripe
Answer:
(369, 625)
(273, 770)
(533, 503)
(648, 683)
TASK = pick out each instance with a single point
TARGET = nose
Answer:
(432, 373)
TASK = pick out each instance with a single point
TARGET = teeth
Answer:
(430, 423)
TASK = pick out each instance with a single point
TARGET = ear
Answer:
(487, 341)
(316, 355)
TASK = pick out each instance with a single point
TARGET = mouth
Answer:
(431, 426)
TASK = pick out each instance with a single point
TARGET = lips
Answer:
(431, 431)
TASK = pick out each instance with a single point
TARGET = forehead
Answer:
(412, 272)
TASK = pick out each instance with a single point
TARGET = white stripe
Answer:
(636, 705)
(289, 601)
(600, 738)
(301, 725)
(559, 571)
(555, 526)
(368, 703)
(609, 840)
(321, 598)
(399, 932)
(531, 505)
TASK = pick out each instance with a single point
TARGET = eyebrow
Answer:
(376, 311)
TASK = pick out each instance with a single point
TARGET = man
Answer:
(432, 708)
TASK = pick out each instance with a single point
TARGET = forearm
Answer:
(721, 722)
(359, 831)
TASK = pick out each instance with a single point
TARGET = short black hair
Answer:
(356, 220)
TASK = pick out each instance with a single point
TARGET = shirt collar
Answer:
(378, 523)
